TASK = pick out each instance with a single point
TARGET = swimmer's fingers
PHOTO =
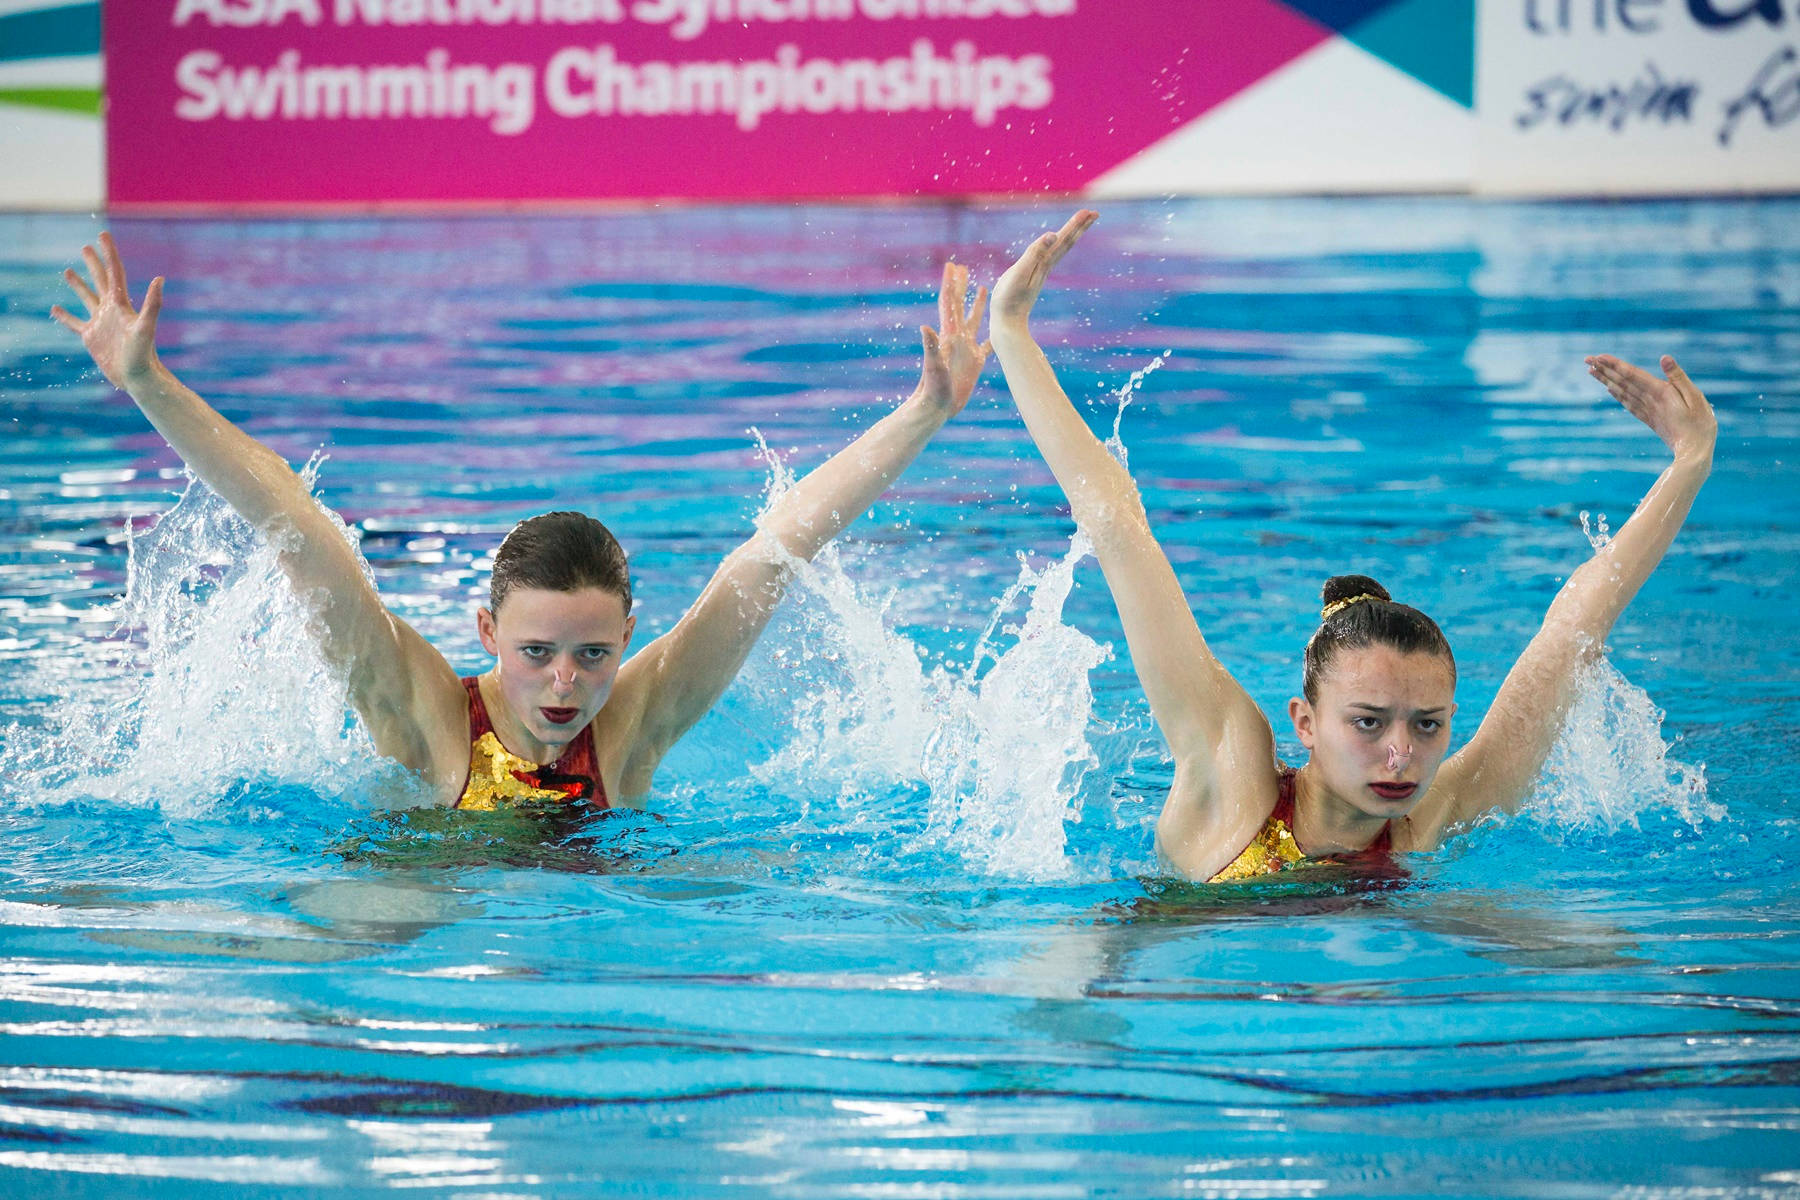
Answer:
(83, 292)
(1673, 407)
(929, 337)
(68, 321)
(96, 270)
(1019, 287)
(1631, 386)
(146, 319)
(1701, 424)
(1070, 233)
(1053, 247)
(951, 290)
(976, 309)
(1691, 395)
(116, 268)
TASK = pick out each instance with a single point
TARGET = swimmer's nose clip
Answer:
(1398, 758)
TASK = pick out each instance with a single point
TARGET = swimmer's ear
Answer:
(630, 628)
(1301, 714)
(488, 629)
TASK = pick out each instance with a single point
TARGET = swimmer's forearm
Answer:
(821, 504)
(1591, 601)
(257, 483)
(1098, 488)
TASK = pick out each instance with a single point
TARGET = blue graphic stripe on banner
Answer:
(1338, 15)
(50, 32)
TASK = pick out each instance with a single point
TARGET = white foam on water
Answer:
(221, 683)
(1009, 751)
(1002, 747)
(1611, 765)
(999, 744)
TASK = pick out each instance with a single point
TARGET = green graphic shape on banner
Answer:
(85, 101)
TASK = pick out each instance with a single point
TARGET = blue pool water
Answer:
(891, 926)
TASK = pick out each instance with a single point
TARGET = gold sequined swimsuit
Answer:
(499, 778)
(1274, 848)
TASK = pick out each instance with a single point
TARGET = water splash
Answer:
(1599, 534)
(220, 687)
(1009, 751)
(1610, 766)
(998, 746)
(1115, 444)
(851, 692)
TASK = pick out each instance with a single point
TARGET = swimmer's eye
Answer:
(1365, 724)
(535, 653)
(1429, 724)
(594, 654)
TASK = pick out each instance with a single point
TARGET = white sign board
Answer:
(1616, 97)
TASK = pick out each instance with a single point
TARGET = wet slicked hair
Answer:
(559, 552)
(1371, 619)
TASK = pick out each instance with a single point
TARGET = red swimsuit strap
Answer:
(478, 714)
(1288, 785)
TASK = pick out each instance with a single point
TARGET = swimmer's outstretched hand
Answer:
(1018, 289)
(121, 338)
(1673, 406)
(953, 358)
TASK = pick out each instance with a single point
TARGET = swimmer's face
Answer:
(1380, 728)
(559, 653)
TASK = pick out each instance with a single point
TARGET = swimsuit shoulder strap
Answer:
(478, 714)
(1273, 848)
(1284, 812)
(1284, 797)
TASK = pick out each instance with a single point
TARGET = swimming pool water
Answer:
(855, 949)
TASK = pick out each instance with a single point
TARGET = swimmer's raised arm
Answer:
(1497, 767)
(671, 684)
(1223, 747)
(393, 672)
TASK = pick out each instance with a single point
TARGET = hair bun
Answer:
(1349, 587)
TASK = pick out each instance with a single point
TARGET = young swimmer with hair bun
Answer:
(1379, 682)
(562, 717)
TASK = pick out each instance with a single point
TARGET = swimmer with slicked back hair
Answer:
(562, 717)
(1379, 682)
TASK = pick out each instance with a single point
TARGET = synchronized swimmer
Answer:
(563, 717)
(1378, 680)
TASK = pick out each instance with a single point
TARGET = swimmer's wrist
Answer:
(1698, 457)
(145, 375)
(927, 401)
(1011, 331)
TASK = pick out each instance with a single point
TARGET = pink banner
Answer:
(430, 102)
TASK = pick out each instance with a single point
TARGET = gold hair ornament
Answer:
(1337, 606)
